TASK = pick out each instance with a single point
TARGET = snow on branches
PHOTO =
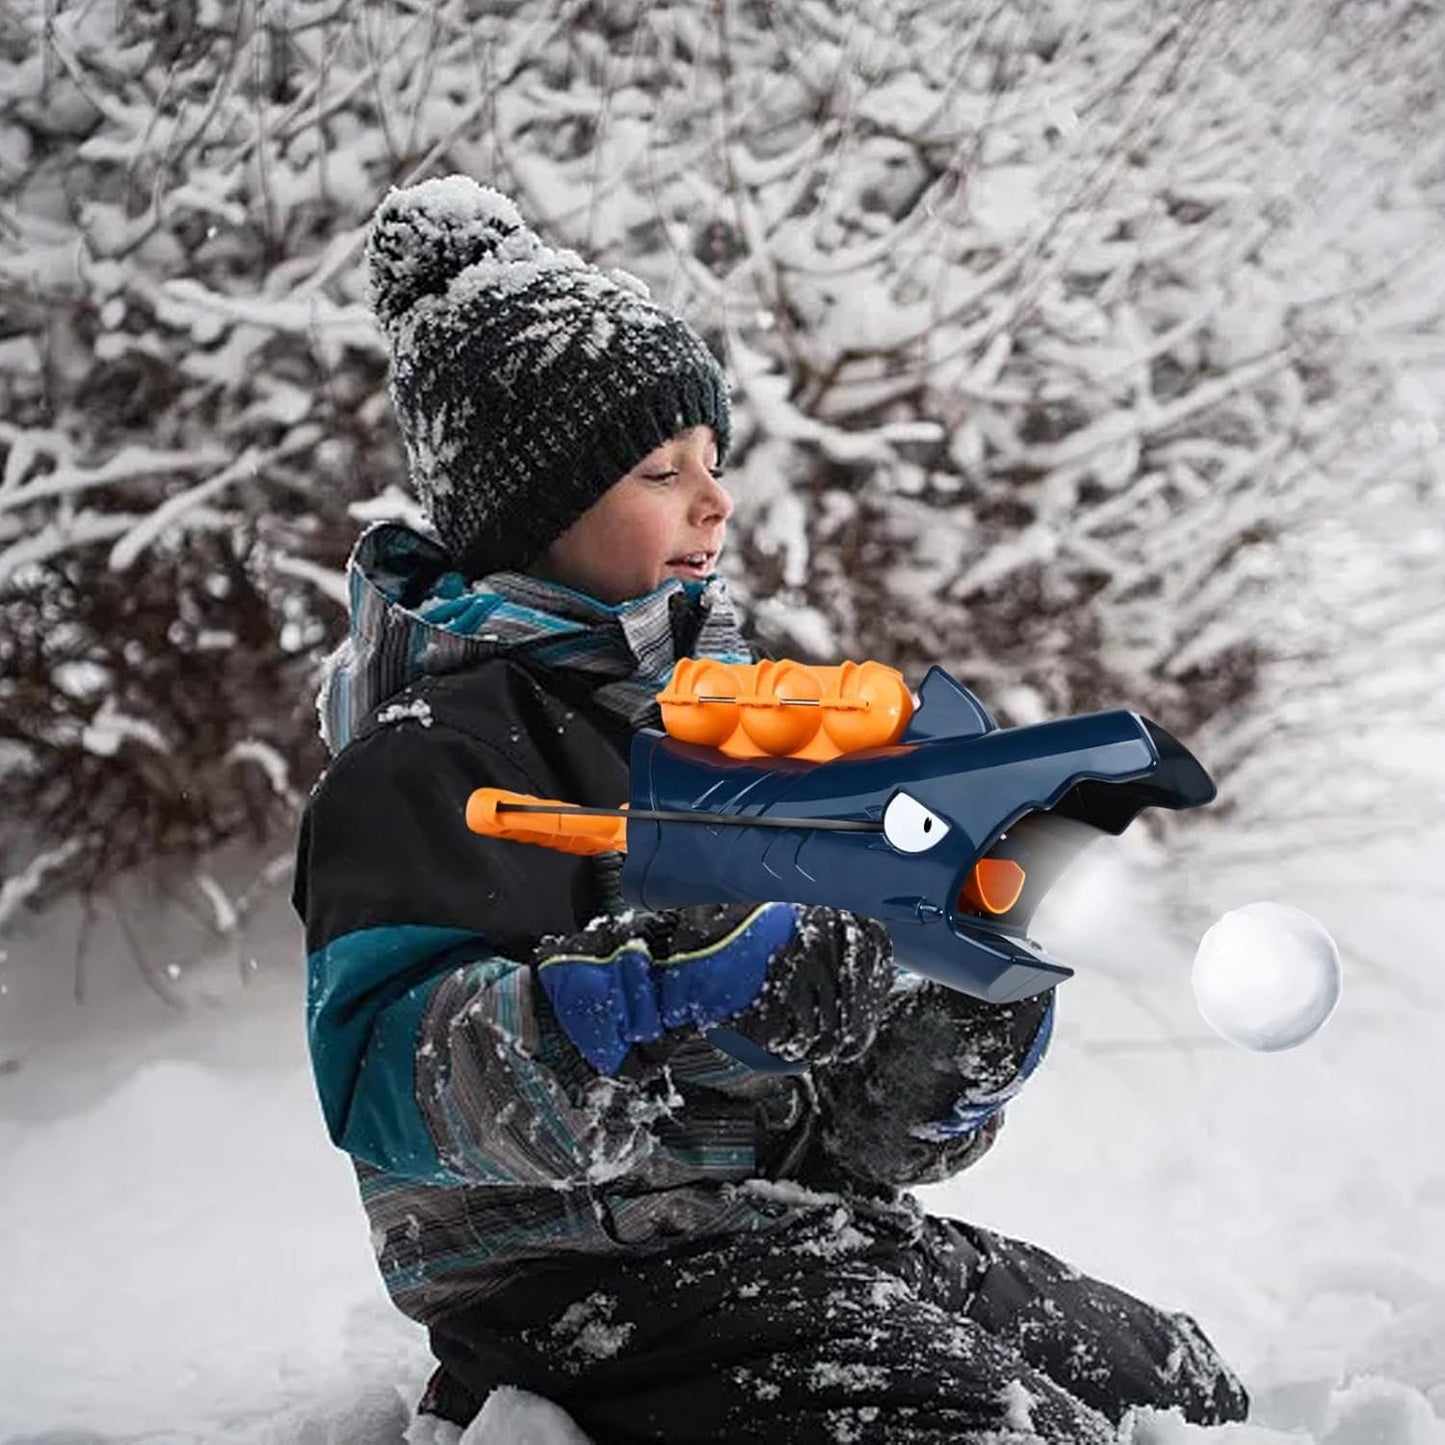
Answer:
(1050, 327)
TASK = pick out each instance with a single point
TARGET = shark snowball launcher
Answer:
(780, 780)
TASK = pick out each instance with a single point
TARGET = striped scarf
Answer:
(412, 615)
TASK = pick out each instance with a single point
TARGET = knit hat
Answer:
(526, 381)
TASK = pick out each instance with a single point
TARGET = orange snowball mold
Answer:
(785, 709)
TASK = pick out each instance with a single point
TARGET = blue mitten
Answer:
(626, 980)
(803, 981)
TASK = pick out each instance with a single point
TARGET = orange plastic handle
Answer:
(785, 709)
(565, 830)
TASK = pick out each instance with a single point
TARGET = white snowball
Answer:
(1267, 976)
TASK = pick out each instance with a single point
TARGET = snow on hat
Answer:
(526, 381)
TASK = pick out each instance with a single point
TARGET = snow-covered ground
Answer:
(184, 1260)
(182, 1249)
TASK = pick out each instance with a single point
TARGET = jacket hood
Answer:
(412, 615)
(389, 645)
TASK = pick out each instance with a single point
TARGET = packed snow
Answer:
(1267, 976)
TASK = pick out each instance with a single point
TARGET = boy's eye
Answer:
(668, 474)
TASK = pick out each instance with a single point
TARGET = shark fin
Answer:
(946, 709)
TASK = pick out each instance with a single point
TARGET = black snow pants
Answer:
(831, 1333)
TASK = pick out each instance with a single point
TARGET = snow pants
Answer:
(832, 1333)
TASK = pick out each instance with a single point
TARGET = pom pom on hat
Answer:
(526, 382)
(422, 236)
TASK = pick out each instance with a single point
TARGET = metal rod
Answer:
(785, 701)
(729, 820)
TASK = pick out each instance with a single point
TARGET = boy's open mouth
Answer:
(697, 563)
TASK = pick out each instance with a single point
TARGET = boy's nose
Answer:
(714, 501)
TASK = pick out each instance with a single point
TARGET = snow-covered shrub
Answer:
(189, 402)
(1042, 319)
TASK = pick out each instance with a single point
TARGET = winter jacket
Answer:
(486, 1147)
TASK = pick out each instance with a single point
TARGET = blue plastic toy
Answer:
(950, 834)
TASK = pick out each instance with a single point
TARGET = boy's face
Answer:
(665, 518)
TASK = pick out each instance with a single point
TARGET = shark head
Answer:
(898, 833)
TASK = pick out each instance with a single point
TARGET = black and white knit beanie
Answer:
(526, 381)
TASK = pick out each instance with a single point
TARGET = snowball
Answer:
(1266, 976)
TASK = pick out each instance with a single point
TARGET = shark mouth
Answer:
(1018, 869)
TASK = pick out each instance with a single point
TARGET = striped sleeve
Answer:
(430, 1059)
(507, 1099)
(366, 994)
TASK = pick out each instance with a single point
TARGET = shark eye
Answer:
(910, 827)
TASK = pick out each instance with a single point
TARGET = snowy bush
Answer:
(1045, 323)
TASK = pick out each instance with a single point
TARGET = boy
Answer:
(567, 1183)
